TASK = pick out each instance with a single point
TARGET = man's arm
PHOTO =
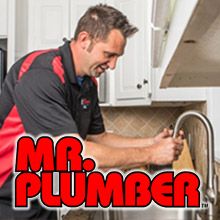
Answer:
(115, 140)
(162, 152)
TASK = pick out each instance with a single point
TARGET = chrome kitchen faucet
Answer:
(212, 183)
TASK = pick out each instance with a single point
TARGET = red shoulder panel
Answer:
(58, 68)
(9, 132)
(28, 61)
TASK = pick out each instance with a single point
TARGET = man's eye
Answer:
(109, 55)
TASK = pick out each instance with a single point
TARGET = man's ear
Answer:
(84, 40)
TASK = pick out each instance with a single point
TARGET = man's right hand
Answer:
(166, 151)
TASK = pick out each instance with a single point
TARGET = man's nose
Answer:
(112, 63)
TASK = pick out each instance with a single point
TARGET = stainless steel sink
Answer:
(152, 213)
(156, 213)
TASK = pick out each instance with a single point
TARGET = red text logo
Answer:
(80, 184)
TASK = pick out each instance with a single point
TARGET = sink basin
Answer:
(156, 213)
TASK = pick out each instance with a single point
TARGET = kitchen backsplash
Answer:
(139, 121)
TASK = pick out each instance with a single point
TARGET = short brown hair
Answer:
(99, 20)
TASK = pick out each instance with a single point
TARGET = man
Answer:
(53, 92)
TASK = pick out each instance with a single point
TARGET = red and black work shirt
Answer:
(41, 96)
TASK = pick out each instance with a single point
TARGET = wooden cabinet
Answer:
(51, 25)
(7, 29)
(132, 75)
(3, 18)
(178, 21)
(41, 24)
(134, 81)
(45, 23)
(174, 94)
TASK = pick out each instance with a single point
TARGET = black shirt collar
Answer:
(67, 60)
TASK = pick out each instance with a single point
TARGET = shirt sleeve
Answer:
(41, 103)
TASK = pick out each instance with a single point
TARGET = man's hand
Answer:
(167, 133)
(166, 150)
(164, 134)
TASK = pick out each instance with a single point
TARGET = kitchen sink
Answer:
(155, 212)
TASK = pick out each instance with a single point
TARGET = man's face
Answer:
(103, 55)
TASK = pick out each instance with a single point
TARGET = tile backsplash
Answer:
(139, 121)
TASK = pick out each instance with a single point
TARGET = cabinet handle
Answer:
(65, 39)
(145, 81)
(139, 86)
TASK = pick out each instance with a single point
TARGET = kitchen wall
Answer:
(148, 121)
(139, 121)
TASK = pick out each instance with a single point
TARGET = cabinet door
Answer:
(48, 23)
(131, 75)
(3, 18)
(175, 94)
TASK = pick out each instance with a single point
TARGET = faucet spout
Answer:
(211, 191)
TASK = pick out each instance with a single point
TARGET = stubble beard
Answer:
(93, 73)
